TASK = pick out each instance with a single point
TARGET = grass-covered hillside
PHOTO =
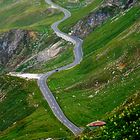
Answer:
(64, 57)
(76, 15)
(108, 74)
(24, 113)
(122, 123)
(104, 86)
(33, 14)
(73, 5)
(25, 31)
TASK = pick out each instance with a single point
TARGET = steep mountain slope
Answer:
(23, 109)
(107, 78)
(108, 74)
(19, 47)
(24, 113)
(12, 43)
(26, 14)
(25, 31)
(122, 123)
(73, 4)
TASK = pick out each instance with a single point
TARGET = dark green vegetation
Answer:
(25, 113)
(108, 74)
(11, 99)
(122, 123)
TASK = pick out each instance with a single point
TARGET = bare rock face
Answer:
(19, 47)
(85, 26)
(120, 3)
(108, 9)
(11, 43)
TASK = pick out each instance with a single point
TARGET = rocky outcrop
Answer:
(108, 9)
(86, 25)
(14, 46)
(120, 3)
(9, 43)
(23, 47)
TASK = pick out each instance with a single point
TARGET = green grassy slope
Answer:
(108, 74)
(26, 14)
(76, 15)
(72, 6)
(29, 15)
(25, 113)
(9, 104)
(122, 123)
(62, 59)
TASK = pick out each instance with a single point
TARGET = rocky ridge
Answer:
(108, 9)
(11, 43)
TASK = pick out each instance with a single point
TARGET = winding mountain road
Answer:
(42, 78)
